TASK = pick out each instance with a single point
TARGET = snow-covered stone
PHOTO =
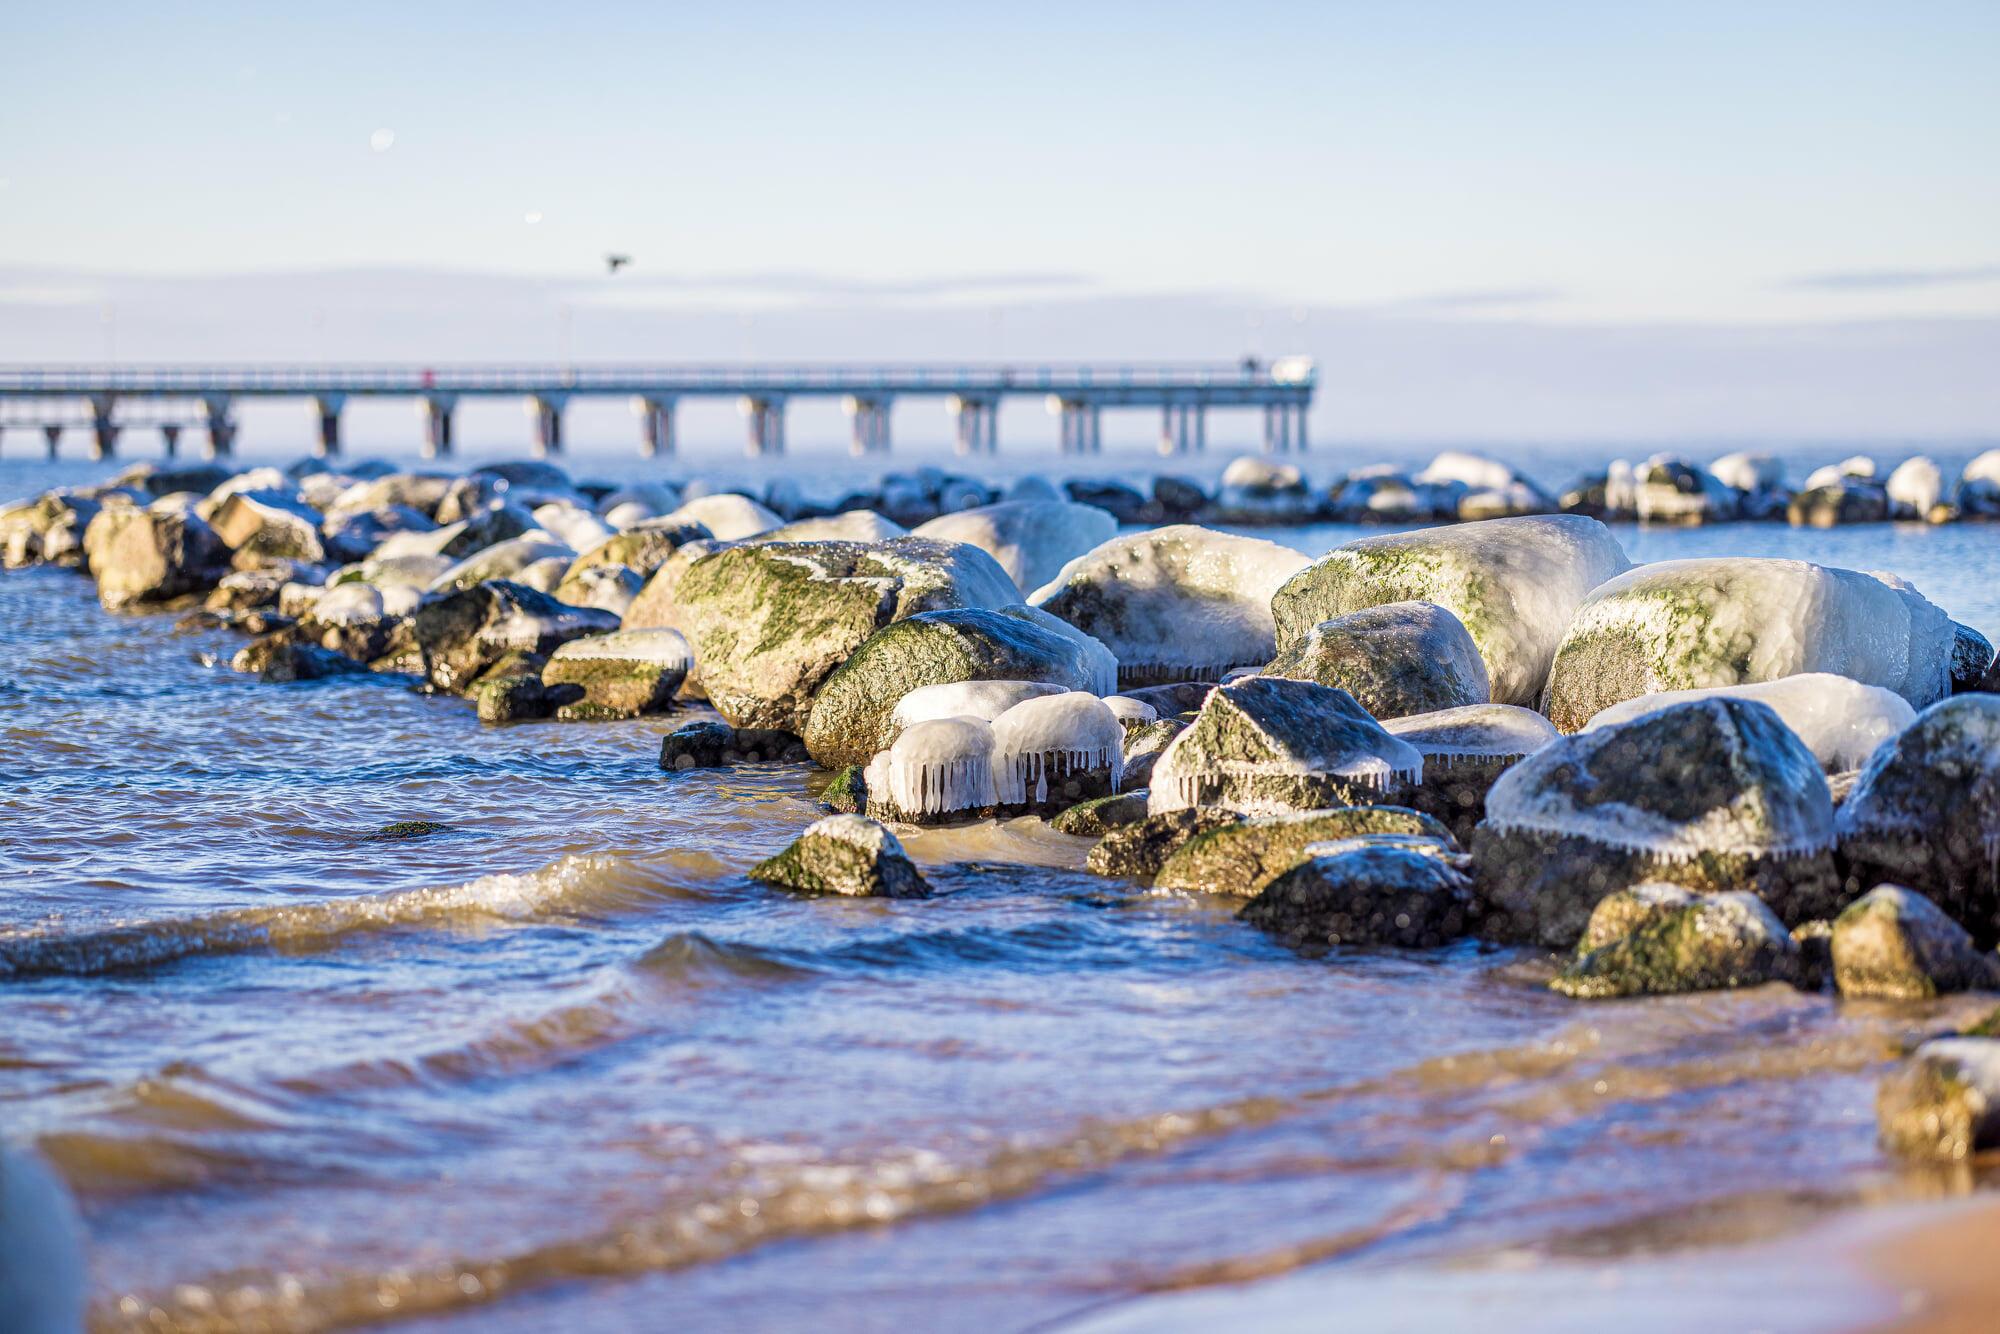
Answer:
(1915, 488)
(1396, 659)
(1840, 720)
(727, 516)
(1057, 749)
(1031, 539)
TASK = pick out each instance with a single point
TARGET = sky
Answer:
(1487, 220)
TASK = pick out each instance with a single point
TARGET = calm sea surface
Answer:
(563, 1066)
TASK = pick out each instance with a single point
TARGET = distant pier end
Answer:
(102, 401)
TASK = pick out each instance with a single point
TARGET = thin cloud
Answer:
(1890, 280)
(1481, 298)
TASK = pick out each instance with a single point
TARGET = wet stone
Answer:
(711, 743)
(1098, 817)
(1894, 944)
(847, 855)
(1137, 851)
(1239, 859)
(1700, 942)
(1365, 891)
(1944, 1102)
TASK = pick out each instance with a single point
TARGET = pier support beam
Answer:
(978, 424)
(868, 425)
(327, 408)
(656, 424)
(170, 438)
(1182, 428)
(547, 410)
(436, 410)
(54, 434)
(220, 409)
(1284, 428)
(766, 422)
(1081, 425)
(103, 429)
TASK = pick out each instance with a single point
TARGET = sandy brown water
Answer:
(562, 1065)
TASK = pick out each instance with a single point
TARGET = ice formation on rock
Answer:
(1101, 663)
(1475, 472)
(1721, 621)
(1052, 738)
(1032, 539)
(1858, 465)
(644, 500)
(1129, 710)
(575, 526)
(1752, 473)
(1940, 776)
(1915, 487)
(727, 516)
(1513, 582)
(847, 526)
(936, 768)
(1176, 603)
(1474, 732)
(1841, 721)
(964, 699)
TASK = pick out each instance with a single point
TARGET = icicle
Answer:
(941, 766)
(1056, 736)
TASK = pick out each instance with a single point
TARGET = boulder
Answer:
(1365, 891)
(46, 530)
(1895, 944)
(1138, 851)
(1513, 583)
(1944, 1102)
(146, 555)
(1916, 489)
(1834, 504)
(845, 854)
(710, 743)
(1465, 750)
(511, 690)
(358, 620)
(1144, 744)
(849, 715)
(1692, 624)
(1264, 745)
(643, 548)
(1666, 943)
(861, 525)
(1031, 539)
(1052, 751)
(1169, 701)
(1100, 815)
(1396, 659)
(352, 536)
(1926, 813)
(609, 588)
(503, 560)
(1254, 491)
(422, 492)
(461, 635)
(1841, 721)
(1971, 658)
(1238, 859)
(727, 516)
(268, 524)
(1121, 502)
(281, 657)
(622, 675)
(770, 623)
(1713, 795)
(1177, 603)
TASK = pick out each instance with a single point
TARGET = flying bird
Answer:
(616, 262)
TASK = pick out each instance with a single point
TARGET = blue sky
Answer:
(1279, 168)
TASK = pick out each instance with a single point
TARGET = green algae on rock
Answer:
(1100, 815)
(1943, 1103)
(1370, 890)
(1661, 940)
(1894, 944)
(461, 635)
(1238, 859)
(1396, 659)
(1137, 851)
(622, 674)
(848, 855)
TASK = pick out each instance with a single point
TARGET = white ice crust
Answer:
(1032, 539)
(728, 516)
(936, 767)
(1841, 721)
(1474, 732)
(1073, 732)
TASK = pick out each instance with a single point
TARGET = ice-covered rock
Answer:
(1714, 794)
(935, 770)
(1944, 1101)
(1366, 891)
(1265, 745)
(1724, 621)
(417, 572)
(1669, 490)
(1752, 474)
(1057, 750)
(505, 560)
(847, 526)
(985, 700)
(574, 526)
(710, 743)
(654, 498)
(1841, 720)
(1475, 472)
(148, 555)
(1857, 467)
(1926, 812)
(1240, 859)
(1675, 943)
(1254, 490)
(1916, 488)
(49, 528)
(1032, 539)
(268, 523)
(1176, 603)
(1100, 815)
(1121, 501)
(1465, 751)
(1896, 944)
(770, 621)
(1033, 486)
(1978, 494)
(1389, 497)
(727, 516)
(620, 675)
(1514, 583)
(459, 636)
(606, 587)
(849, 717)
(1396, 659)
(845, 854)
(1129, 711)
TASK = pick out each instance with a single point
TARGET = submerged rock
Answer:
(1926, 813)
(1396, 659)
(1944, 1103)
(1175, 604)
(710, 743)
(1137, 851)
(1465, 750)
(1100, 815)
(281, 657)
(1667, 942)
(1513, 583)
(1692, 624)
(1714, 795)
(622, 675)
(1896, 944)
(1264, 745)
(845, 854)
(1365, 891)
(459, 636)
(769, 623)
(1238, 859)
(149, 555)
(850, 716)
(1841, 721)
(1031, 539)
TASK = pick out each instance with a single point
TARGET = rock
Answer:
(609, 588)
(245, 590)
(1465, 750)
(1137, 851)
(1621, 912)
(1264, 745)
(846, 793)
(1144, 744)
(1031, 539)
(1365, 891)
(1513, 583)
(413, 572)
(937, 772)
(422, 492)
(657, 607)
(1396, 659)
(728, 517)
(1758, 481)
(511, 690)
(849, 715)
(1978, 494)
(1178, 498)
(155, 480)
(1944, 1103)
(1389, 497)
(279, 658)
(1100, 815)
(464, 537)
(264, 523)
(141, 555)
(502, 560)
(400, 831)
(1916, 489)
(46, 530)
(1122, 502)
(1170, 700)
(1668, 490)
(1836, 503)
(1971, 658)
(1254, 490)
(1238, 859)
(1176, 603)
(1703, 942)
(643, 548)
(711, 743)
(1841, 721)
(357, 620)
(1693, 624)
(459, 636)
(1895, 944)
(770, 623)
(622, 675)
(353, 536)
(859, 525)
(845, 854)
(1052, 751)
(572, 525)
(1926, 813)
(1712, 795)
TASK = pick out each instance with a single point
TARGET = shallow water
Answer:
(563, 1066)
